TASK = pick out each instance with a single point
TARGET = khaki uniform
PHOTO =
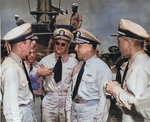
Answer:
(17, 98)
(136, 83)
(75, 19)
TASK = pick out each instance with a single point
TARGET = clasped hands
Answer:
(110, 86)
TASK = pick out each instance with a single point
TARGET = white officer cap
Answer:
(20, 33)
(130, 29)
(16, 15)
(84, 36)
(74, 5)
(63, 34)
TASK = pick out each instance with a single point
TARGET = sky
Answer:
(100, 17)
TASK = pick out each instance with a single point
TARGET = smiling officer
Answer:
(57, 67)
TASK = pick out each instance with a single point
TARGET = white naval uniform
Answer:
(17, 97)
(54, 101)
(136, 82)
(141, 103)
(96, 74)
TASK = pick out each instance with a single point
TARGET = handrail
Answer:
(30, 8)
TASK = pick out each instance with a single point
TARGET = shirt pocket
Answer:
(23, 83)
(23, 88)
(89, 82)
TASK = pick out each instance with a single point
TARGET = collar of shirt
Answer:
(28, 63)
(123, 66)
(89, 61)
(16, 58)
(132, 59)
(64, 58)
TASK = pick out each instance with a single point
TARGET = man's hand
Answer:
(110, 86)
(44, 71)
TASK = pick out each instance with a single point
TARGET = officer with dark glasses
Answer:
(57, 69)
(62, 44)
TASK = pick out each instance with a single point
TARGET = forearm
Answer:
(11, 109)
(127, 99)
(123, 98)
(10, 97)
(35, 69)
(142, 104)
(79, 24)
(101, 113)
(68, 104)
(33, 74)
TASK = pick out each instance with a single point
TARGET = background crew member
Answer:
(17, 97)
(86, 99)
(56, 83)
(18, 20)
(131, 38)
(37, 84)
(75, 19)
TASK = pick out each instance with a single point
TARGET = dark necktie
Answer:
(124, 75)
(31, 67)
(58, 70)
(118, 76)
(78, 81)
(29, 83)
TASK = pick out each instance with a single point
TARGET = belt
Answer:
(58, 93)
(86, 102)
(24, 104)
(36, 96)
(80, 101)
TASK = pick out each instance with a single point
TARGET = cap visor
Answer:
(62, 38)
(115, 35)
(80, 41)
(33, 38)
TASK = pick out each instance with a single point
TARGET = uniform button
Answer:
(77, 100)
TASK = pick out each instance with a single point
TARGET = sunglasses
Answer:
(62, 44)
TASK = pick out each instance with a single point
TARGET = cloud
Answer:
(100, 17)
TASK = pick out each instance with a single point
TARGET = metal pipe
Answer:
(59, 3)
(29, 5)
(45, 10)
(30, 8)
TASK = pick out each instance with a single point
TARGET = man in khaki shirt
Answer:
(75, 19)
(17, 97)
(135, 81)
